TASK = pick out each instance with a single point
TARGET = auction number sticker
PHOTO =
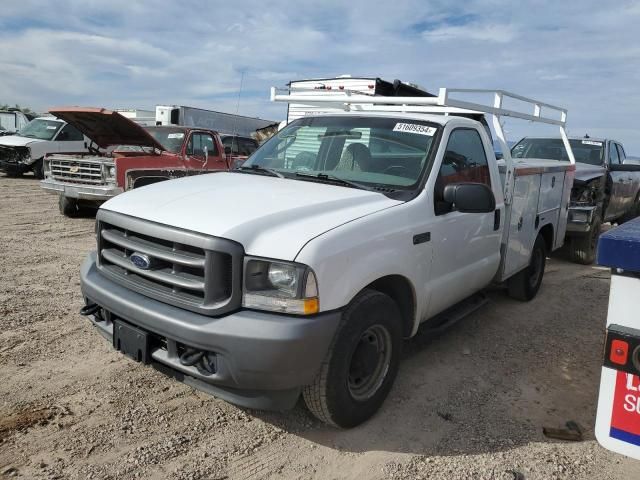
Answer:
(414, 128)
(175, 135)
(625, 417)
(591, 142)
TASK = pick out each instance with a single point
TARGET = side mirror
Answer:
(625, 167)
(227, 150)
(499, 156)
(470, 197)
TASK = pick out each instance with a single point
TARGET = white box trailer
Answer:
(146, 118)
(223, 123)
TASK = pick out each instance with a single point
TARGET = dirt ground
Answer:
(470, 403)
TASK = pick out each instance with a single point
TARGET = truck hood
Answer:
(17, 141)
(586, 172)
(105, 127)
(271, 217)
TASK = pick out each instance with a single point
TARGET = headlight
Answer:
(280, 287)
(111, 172)
(578, 216)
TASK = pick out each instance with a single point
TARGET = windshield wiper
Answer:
(328, 178)
(258, 168)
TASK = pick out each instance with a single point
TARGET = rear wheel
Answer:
(68, 206)
(583, 247)
(361, 365)
(525, 284)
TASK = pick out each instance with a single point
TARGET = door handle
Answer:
(496, 220)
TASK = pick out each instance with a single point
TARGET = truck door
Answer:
(629, 183)
(69, 140)
(466, 246)
(616, 201)
(195, 157)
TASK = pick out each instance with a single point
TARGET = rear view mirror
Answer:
(227, 150)
(470, 197)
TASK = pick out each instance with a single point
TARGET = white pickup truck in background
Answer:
(343, 234)
(25, 150)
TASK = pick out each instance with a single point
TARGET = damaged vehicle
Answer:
(606, 187)
(124, 155)
(25, 151)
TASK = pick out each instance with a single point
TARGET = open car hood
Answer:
(105, 127)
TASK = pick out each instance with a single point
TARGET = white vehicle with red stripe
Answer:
(618, 419)
(338, 238)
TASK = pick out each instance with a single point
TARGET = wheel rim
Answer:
(537, 265)
(369, 362)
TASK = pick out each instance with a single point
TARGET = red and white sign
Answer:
(625, 417)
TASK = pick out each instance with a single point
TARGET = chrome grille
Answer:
(74, 171)
(185, 269)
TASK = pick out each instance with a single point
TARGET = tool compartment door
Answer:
(550, 201)
(521, 230)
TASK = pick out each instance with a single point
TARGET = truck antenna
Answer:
(235, 120)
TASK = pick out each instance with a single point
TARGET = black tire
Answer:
(68, 206)
(344, 394)
(525, 284)
(38, 169)
(582, 248)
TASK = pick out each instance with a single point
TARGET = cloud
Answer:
(483, 33)
(138, 54)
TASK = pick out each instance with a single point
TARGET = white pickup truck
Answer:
(302, 271)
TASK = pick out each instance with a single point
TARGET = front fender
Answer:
(354, 255)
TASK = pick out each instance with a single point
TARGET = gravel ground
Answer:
(468, 404)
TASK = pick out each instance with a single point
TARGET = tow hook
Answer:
(200, 359)
(89, 309)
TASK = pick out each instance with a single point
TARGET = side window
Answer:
(198, 141)
(232, 143)
(465, 160)
(246, 146)
(69, 133)
(614, 159)
(621, 155)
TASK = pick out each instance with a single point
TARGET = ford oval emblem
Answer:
(140, 260)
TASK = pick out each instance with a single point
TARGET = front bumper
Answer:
(97, 193)
(263, 359)
(580, 218)
(14, 168)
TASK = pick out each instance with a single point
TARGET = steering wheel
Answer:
(390, 168)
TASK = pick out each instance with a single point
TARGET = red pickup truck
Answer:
(124, 155)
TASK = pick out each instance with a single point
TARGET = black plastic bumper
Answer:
(263, 359)
(12, 168)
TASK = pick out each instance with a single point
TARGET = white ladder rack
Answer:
(445, 104)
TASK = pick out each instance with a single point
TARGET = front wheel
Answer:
(525, 284)
(361, 365)
(583, 247)
(68, 206)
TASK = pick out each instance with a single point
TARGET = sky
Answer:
(582, 55)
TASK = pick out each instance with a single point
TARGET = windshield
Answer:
(170, 138)
(584, 150)
(41, 128)
(374, 152)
